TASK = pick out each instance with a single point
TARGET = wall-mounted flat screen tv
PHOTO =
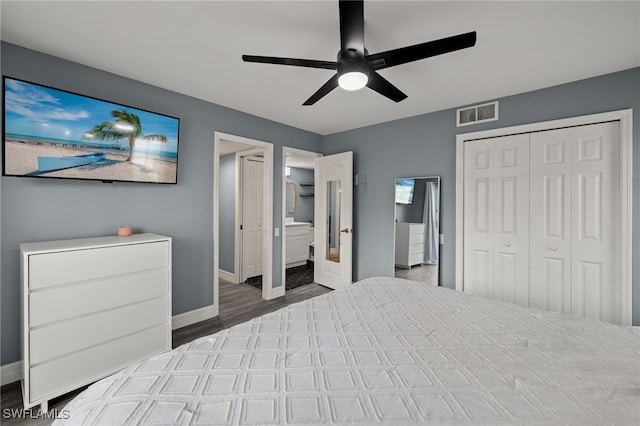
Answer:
(58, 134)
(404, 190)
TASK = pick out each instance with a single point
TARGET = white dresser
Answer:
(409, 244)
(91, 307)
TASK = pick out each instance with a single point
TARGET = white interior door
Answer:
(252, 220)
(511, 262)
(575, 227)
(479, 196)
(333, 220)
(595, 179)
(550, 286)
(496, 217)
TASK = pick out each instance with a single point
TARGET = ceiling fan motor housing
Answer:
(352, 61)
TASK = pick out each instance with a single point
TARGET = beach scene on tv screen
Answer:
(53, 133)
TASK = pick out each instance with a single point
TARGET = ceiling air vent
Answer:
(477, 114)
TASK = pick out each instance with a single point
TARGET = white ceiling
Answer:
(195, 48)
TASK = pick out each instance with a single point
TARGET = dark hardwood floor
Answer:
(238, 303)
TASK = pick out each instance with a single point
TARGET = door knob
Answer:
(346, 230)
(554, 248)
(507, 245)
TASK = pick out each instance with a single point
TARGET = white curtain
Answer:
(430, 218)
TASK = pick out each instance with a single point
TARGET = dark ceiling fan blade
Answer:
(326, 88)
(309, 63)
(416, 52)
(382, 86)
(351, 25)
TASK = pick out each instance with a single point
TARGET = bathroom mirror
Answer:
(291, 197)
(417, 229)
(334, 193)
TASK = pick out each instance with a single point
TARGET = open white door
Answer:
(333, 220)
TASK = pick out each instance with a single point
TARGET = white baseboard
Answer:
(10, 373)
(228, 276)
(192, 317)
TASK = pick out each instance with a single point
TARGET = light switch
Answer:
(276, 232)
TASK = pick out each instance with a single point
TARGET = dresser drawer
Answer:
(416, 229)
(416, 238)
(51, 269)
(416, 249)
(415, 259)
(74, 300)
(80, 333)
(69, 372)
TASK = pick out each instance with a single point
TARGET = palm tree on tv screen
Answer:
(125, 125)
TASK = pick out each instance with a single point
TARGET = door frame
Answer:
(625, 118)
(267, 253)
(299, 153)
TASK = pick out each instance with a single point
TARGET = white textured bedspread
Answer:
(384, 351)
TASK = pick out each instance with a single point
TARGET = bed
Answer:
(384, 351)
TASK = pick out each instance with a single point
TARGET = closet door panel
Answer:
(496, 218)
(595, 222)
(478, 218)
(511, 219)
(550, 221)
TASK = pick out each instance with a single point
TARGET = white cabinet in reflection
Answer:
(409, 244)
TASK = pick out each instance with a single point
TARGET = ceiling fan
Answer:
(355, 67)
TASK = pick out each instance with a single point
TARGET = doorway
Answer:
(236, 157)
(298, 209)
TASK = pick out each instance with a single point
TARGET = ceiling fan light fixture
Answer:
(355, 67)
(354, 80)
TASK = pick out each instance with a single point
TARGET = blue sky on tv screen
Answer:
(40, 112)
(404, 190)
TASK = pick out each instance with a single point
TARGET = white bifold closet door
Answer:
(496, 218)
(541, 224)
(574, 221)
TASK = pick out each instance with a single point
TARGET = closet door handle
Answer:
(554, 248)
(507, 245)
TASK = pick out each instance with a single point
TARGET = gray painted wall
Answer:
(304, 206)
(227, 218)
(52, 209)
(425, 145)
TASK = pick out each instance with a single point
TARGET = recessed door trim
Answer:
(625, 118)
